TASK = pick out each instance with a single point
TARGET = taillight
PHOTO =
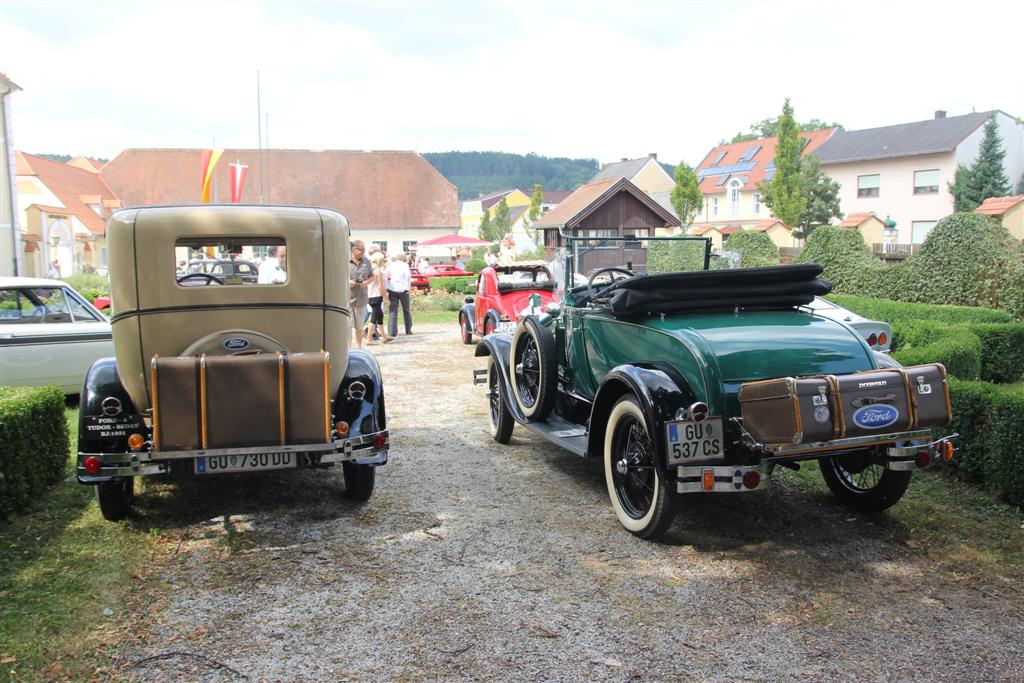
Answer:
(751, 479)
(923, 459)
(135, 441)
(708, 480)
(379, 442)
(947, 451)
(882, 339)
(872, 340)
(341, 428)
(92, 464)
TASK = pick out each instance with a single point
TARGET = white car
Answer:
(49, 334)
(877, 334)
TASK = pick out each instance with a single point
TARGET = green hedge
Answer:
(990, 421)
(918, 341)
(756, 248)
(33, 443)
(672, 256)
(456, 284)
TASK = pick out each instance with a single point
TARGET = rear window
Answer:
(237, 262)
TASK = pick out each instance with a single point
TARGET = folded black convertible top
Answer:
(773, 287)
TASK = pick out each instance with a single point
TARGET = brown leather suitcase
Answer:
(307, 398)
(873, 402)
(176, 400)
(789, 410)
(929, 393)
(244, 403)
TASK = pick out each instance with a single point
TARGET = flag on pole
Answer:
(238, 171)
(210, 158)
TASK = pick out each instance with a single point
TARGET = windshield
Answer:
(585, 254)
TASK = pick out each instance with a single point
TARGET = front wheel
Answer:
(359, 480)
(642, 502)
(855, 480)
(499, 417)
(115, 498)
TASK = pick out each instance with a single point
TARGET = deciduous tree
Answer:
(686, 197)
(782, 194)
(822, 194)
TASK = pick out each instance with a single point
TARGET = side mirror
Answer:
(469, 299)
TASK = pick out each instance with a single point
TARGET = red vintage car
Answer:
(101, 302)
(503, 294)
(419, 280)
(443, 270)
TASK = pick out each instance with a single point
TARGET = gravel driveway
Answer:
(476, 561)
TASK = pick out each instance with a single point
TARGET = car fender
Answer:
(101, 431)
(661, 391)
(468, 311)
(494, 316)
(499, 345)
(366, 414)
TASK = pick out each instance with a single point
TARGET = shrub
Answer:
(917, 341)
(456, 284)
(436, 300)
(990, 421)
(1002, 351)
(670, 256)
(755, 248)
(846, 260)
(475, 265)
(897, 311)
(33, 443)
(89, 285)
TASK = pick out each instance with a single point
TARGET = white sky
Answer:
(593, 79)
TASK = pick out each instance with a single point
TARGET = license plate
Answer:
(690, 441)
(249, 462)
(508, 327)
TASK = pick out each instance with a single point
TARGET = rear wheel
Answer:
(532, 369)
(858, 481)
(359, 480)
(488, 325)
(115, 498)
(499, 418)
(642, 502)
(467, 335)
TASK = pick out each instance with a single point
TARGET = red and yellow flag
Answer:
(210, 158)
(238, 171)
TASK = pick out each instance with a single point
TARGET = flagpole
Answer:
(266, 132)
(259, 129)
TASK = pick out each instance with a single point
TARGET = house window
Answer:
(407, 245)
(919, 230)
(734, 197)
(714, 206)
(867, 185)
(757, 202)
(381, 244)
(926, 182)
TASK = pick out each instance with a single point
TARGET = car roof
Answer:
(10, 281)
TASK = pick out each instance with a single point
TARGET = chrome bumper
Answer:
(359, 449)
(723, 478)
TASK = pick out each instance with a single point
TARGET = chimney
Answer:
(654, 155)
(940, 113)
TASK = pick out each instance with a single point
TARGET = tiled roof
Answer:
(70, 185)
(372, 189)
(750, 162)
(768, 224)
(627, 168)
(555, 196)
(585, 199)
(854, 220)
(699, 230)
(933, 136)
(997, 206)
(491, 199)
(730, 229)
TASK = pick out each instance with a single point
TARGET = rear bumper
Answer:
(362, 450)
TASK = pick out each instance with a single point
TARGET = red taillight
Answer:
(923, 459)
(379, 442)
(92, 464)
(872, 340)
(751, 479)
(882, 339)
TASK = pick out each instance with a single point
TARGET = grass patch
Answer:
(435, 317)
(61, 566)
(955, 523)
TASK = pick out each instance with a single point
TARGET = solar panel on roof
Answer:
(721, 155)
(750, 153)
(721, 181)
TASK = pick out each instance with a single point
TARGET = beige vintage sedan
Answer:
(219, 374)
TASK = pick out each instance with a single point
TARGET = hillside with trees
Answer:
(476, 173)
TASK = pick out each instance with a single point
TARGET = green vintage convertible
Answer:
(686, 379)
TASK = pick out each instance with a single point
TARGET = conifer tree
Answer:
(986, 177)
(486, 230)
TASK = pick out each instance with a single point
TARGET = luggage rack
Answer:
(748, 440)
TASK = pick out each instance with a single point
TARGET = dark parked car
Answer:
(705, 381)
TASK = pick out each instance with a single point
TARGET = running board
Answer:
(568, 435)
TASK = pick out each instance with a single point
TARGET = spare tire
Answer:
(532, 369)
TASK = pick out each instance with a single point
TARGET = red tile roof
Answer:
(702, 229)
(72, 186)
(372, 189)
(752, 178)
(730, 229)
(768, 224)
(577, 201)
(997, 206)
(854, 220)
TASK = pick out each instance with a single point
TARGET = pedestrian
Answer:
(460, 262)
(398, 283)
(375, 297)
(53, 272)
(359, 273)
(274, 270)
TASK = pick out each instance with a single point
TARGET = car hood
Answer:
(752, 345)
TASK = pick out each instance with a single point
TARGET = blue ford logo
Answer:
(236, 344)
(876, 416)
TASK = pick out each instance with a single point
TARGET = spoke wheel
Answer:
(532, 369)
(641, 500)
(860, 482)
(467, 336)
(499, 418)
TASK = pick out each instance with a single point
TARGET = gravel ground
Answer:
(476, 561)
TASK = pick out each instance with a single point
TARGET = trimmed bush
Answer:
(897, 311)
(33, 443)
(456, 284)
(668, 256)
(846, 260)
(990, 421)
(756, 248)
(475, 265)
(1002, 351)
(917, 341)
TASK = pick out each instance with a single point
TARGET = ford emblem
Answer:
(236, 344)
(875, 416)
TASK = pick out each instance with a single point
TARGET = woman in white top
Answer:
(375, 293)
